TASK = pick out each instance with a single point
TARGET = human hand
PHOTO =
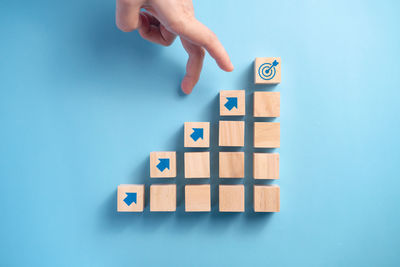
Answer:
(166, 19)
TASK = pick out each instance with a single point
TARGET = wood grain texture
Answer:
(231, 133)
(197, 164)
(266, 165)
(163, 197)
(266, 104)
(231, 198)
(121, 195)
(201, 142)
(261, 60)
(240, 110)
(267, 134)
(155, 160)
(231, 164)
(198, 198)
(266, 198)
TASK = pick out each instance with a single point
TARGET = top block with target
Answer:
(267, 70)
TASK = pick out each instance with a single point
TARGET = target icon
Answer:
(267, 71)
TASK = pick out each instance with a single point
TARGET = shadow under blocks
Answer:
(221, 167)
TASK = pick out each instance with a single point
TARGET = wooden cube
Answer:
(197, 134)
(197, 164)
(163, 164)
(197, 198)
(266, 166)
(266, 198)
(267, 134)
(267, 70)
(267, 104)
(231, 198)
(231, 164)
(232, 103)
(130, 198)
(163, 197)
(231, 133)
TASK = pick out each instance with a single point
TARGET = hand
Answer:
(162, 21)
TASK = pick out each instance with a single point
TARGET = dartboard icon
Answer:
(267, 71)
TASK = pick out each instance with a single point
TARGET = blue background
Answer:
(83, 104)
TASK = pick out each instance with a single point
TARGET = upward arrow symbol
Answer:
(197, 133)
(130, 198)
(231, 103)
(164, 164)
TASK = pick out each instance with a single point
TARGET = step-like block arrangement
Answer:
(163, 164)
(197, 164)
(232, 103)
(266, 104)
(198, 198)
(231, 164)
(130, 198)
(267, 134)
(266, 166)
(231, 198)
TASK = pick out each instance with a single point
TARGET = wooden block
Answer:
(232, 103)
(267, 104)
(163, 164)
(197, 198)
(231, 198)
(266, 198)
(231, 164)
(267, 70)
(197, 134)
(130, 198)
(266, 166)
(163, 197)
(267, 134)
(197, 164)
(231, 133)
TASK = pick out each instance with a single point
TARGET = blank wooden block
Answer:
(232, 103)
(266, 198)
(231, 198)
(197, 198)
(231, 164)
(163, 197)
(130, 198)
(163, 164)
(267, 70)
(267, 134)
(267, 104)
(197, 134)
(266, 165)
(231, 133)
(197, 164)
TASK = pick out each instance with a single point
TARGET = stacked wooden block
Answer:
(266, 198)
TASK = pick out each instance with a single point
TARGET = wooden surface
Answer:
(261, 60)
(240, 110)
(267, 134)
(201, 142)
(155, 160)
(231, 164)
(266, 166)
(266, 104)
(266, 198)
(121, 195)
(231, 198)
(197, 164)
(163, 197)
(197, 198)
(231, 133)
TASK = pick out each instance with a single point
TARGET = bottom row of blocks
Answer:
(197, 198)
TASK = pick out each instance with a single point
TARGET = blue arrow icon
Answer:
(231, 103)
(164, 164)
(130, 198)
(197, 133)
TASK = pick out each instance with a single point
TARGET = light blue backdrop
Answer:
(82, 105)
